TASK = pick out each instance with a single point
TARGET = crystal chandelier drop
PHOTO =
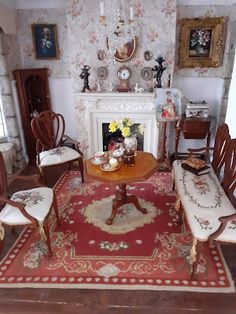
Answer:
(115, 30)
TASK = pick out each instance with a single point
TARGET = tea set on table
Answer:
(108, 161)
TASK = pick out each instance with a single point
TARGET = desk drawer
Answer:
(195, 129)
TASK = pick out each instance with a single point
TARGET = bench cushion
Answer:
(204, 201)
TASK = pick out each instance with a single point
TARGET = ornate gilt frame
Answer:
(131, 50)
(213, 53)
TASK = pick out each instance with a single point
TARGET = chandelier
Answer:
(115, 30)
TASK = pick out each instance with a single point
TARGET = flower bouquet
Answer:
(127, 127)
(129, 130)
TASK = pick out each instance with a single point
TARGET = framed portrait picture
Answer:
(45, 41)
(127, 51)
(168, 104)
(201, 42)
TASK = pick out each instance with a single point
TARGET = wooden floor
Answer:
(107, 301)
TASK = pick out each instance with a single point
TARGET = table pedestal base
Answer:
(122, 198)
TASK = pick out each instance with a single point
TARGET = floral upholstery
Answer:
(38, 203)
(57, 155)
(204, 201)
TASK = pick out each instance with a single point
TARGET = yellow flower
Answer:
(112, 126)
(128, 122)
(126, 131)
(141, 128)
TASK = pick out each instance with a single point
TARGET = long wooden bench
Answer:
(208, 202)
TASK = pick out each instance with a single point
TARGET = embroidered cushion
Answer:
(38, 202)
(57, 155)
(204, 201)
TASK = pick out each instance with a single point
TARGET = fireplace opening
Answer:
(114, 140)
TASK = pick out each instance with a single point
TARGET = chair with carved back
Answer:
(49, 130)
(30, 207)
(221, 139)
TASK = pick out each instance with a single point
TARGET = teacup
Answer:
(99, 156)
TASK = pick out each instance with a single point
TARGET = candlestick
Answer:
(131, 13)
(102, 9)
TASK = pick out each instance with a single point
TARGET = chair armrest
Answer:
(76, 144)
(21, 208)
(223, 222)
(199, 150)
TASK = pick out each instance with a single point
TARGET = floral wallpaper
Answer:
(202, 12)
(25, 18)
(156, 19)
(78, 40)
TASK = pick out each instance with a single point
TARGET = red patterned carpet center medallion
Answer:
(139, 252)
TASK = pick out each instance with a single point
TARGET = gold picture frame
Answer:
(201, 42)
(127, 52)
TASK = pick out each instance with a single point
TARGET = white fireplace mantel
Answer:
(94, 109)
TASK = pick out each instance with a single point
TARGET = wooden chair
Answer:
(221, 140)
(48, 128)
(28, 207)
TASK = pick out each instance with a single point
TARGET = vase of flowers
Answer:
(129, 131)
(200, 40)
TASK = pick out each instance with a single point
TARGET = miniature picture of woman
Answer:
(169, 109)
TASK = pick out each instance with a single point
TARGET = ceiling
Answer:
(30, 4)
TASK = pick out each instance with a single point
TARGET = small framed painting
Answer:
(201, 42)
(45, 41)
(168, 104)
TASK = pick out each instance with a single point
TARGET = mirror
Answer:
(127, 51)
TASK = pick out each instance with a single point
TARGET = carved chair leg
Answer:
(54, 204)
(173, 186)
(48, 241)
(81, 168)
(194, 256)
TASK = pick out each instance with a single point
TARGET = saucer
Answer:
(106, 167)
(98, 162)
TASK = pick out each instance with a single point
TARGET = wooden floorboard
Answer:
(45, 301)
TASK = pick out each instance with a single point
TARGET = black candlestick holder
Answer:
(159, 69)
(85, 76)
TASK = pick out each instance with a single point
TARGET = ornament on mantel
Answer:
(85, 76)
(159, 69)
(138, 89)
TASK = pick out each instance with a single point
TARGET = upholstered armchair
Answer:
(30, 207)
(53, 147)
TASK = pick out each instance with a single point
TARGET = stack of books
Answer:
(196, 166)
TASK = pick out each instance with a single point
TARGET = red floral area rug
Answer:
(138, 251)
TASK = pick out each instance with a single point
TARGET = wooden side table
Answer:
(145, 166)
(193, 128)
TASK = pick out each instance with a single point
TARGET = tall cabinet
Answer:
(34, 97)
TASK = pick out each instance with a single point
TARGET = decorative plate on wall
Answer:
(147, 55)
(102, 73)
(101, 55)
(147, 74)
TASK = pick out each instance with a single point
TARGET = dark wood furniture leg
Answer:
(122, 198)
(177, 135)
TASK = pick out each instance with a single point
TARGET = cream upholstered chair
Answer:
(48, 128)
(207, 199)
(28, 207)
